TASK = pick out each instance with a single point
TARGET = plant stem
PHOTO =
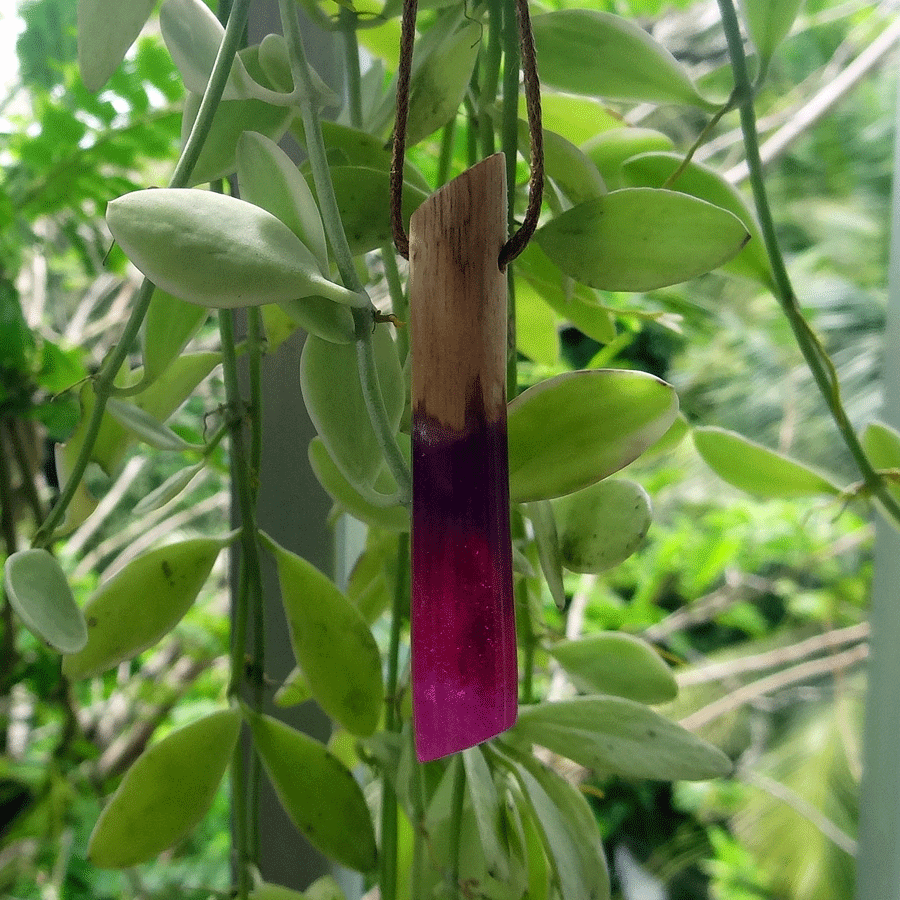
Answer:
(456, 812)
(399, 300)
(490, 79)
(814, 353)
(363, 319)
(445, 160)
(104, 381)
(351, 66)
(387, 855)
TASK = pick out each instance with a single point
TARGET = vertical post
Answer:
(878, 857)
(463, 618)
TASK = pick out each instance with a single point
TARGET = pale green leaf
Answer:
(615, 736)
(585, 51)
(638, 239)
(37, 589)
(616, 663)
(749, 466)
(602, 525)
(106, 29)
(165, 793)
(577, 428)
(215, 250)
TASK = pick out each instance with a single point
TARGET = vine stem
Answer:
(363, 318)
(104, 381)
(814, 353)
(457, 802)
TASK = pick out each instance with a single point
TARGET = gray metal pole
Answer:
(292, 509)
(878, 858)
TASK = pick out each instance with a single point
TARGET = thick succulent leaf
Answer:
(268, 178)
(572, 170)
(615, 736)
(703, 182)
(546, 539)
(485, 803)
(603, 55)
(215, 250)
(332, 644)
(439, 82)
(769, 22)
(393, 518)
(749, 466)
(193, 35)
(601, 525)
(882, 446)
(616, 663)
(566, 826)
(122, 621)
(609, 150)
(106, 29)
(165, 793)
(37, 589)
(218, 158)
(329, 379)
(146, 427)
(577, 428)
(169, 326)
(363, 198)
(317, 791)
(639, 239)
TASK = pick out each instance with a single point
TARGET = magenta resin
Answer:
(464, 667)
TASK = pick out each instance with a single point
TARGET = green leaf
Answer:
(571, 301)
(165, 793)
(639, 239)
(615, 736)
(698, 180)
(317, 791)
(171, 488)
(215, 250)
(294, 691)
(218, 158)
(38, 591)
(609, 150)
(169, 326)
(332, 644)
(106, 29)
(566, 827)
(268, 178)
(882, 446)
(751, 467)
(363, 198)
(142, 603)
(150, 430)
(769, 22)
(546, 539)
(320, 316)
(569, 167)
(578, 118)
(329, 379)
(159, 400)
(613, 662)
(439, 82)
(603, 55)
(601, 525)
(193, 35)
(486, 809)
(393, 518)
(575, 429)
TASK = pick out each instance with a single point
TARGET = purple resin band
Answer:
(464, 668)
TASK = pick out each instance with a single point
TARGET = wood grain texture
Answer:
(458, 295)
(464, 666)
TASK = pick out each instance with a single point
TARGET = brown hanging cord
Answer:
(517, 243)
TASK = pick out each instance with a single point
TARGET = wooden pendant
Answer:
(464, 669)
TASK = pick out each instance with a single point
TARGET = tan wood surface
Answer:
(458, 297)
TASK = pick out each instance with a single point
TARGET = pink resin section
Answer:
(464, 668)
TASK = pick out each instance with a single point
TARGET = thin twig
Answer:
(771, 683)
